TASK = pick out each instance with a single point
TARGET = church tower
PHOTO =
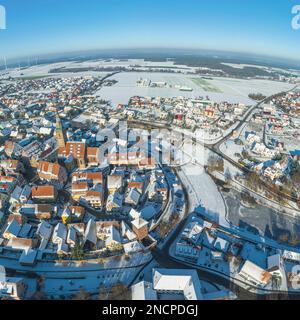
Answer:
(59, 134)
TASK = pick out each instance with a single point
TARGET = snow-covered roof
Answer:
(255, 272)
(274, 261)
(90, 232)
(291, 255)
(113, 235)
(59, 233)
(13, 228)
(221, 244)
(139, 223)
(134, 214)
(194, 231)
(114, 181)
(71, 237)
(131, 247)
(127, 232)
(116, 198)
(62, 248)
(28, 257)
(134, 196)
(44, 229)
(148, 212)
(186, 281)
(143, 291)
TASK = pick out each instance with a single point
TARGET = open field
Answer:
(218, 89)
(231, 90)
(205, 85)
(32, 77)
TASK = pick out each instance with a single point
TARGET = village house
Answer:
(72, 214)
(52, 172)
(94, 198)
(184, 282)
(136, 183)
(43, 233)
(90, 236)
(254, 274)
(59, 234)
(140, 228)
(45, 193)
(20, 195)
(7, 184)
(126, 232)
(114, 202)
(92, 178)
(35, 211)
(114, 183)
(187, 251)
(113, 240)
(12, 167)
(71, 237)
(79, 189)
(13, 288)
(12, 149)
(75, 149)
(12, 230)
(93, 157)
(133, 197)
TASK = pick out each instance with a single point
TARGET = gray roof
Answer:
(13, 228)
(90, 232)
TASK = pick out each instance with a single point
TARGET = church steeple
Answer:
(59, 134)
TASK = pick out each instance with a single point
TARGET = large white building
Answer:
(171, 284)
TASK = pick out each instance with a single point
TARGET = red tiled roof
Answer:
(92, 152)
(77, 149)
(43, 191)
(80, 186)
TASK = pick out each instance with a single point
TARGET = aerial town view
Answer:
(133, 171)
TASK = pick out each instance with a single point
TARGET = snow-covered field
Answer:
(43, 71)
(203, 192)
(245, 87)
(233, 90)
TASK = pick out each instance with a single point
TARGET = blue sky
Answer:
(36, 27)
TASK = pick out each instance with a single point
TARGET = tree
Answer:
(215, 164)
(120, 291)
(103, 293)
(228, 176)
(276, 281)
(39, 294)
(77, 252)
(82, 295)
(40, 283)
(253, 180)
(163, 229)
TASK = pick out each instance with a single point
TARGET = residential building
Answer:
(255, 274)
(52, 172)
(179, 282)
(45, 193)
(13, 288)
(140, 228)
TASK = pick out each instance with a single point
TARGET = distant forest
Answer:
(220, 68)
